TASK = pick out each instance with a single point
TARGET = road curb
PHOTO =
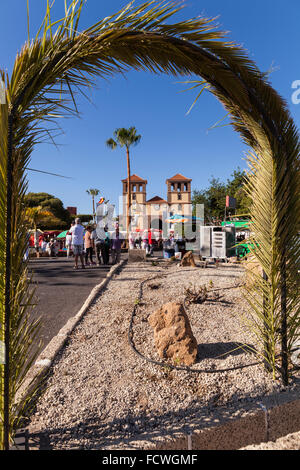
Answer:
(46, 358)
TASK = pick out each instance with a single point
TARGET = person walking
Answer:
(89, 245)
(145, 242)
(150, 243)
(139, 242)
(116, 248)
(105, 247)
(131, 241)
(43, 246)
(99, 242)
(77, 232)
(50, 248)
(69, 240)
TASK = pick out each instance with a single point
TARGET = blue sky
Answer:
(172, 142)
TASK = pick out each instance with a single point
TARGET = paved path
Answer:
(61, 291)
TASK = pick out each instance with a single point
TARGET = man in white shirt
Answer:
(77, 232)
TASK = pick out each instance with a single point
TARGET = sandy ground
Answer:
(102, 395)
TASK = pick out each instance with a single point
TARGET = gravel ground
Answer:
(102, 395)
(289, 442)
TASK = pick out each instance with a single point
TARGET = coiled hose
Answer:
(171, 366)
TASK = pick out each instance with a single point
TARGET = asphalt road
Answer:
(60, 291)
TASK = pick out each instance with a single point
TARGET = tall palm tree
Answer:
(47, 71)
(125, 138)
(93, 192)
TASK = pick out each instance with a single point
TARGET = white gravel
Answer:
(101, 395)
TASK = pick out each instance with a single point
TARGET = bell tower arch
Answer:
(179, 194)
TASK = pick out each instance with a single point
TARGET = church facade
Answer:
(154, 212)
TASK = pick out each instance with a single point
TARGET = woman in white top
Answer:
(131, 241)
(145, 241)
(68, 243)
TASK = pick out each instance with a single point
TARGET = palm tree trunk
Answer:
(128, 194)
(93, 208)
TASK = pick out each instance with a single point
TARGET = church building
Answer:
(152, 213)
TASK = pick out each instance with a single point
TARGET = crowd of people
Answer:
(44, 244)
(145, 241)
(142, 241)
(84, 243)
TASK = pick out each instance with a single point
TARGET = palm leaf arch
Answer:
(50, 68)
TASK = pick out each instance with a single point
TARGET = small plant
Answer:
(177, 361)
(196, 295)
(168, 373)
(199, 294)
(154, 286)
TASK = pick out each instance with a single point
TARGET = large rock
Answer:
(173, 334)
(188, 260)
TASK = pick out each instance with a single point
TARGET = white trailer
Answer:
(217, 242)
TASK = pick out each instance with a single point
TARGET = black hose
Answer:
(171, 366)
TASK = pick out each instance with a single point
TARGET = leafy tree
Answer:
(61, 218)
(125, 138)
(37, 216)
(214, 197)
(236, 188)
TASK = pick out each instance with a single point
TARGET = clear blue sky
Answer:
(172, 142)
